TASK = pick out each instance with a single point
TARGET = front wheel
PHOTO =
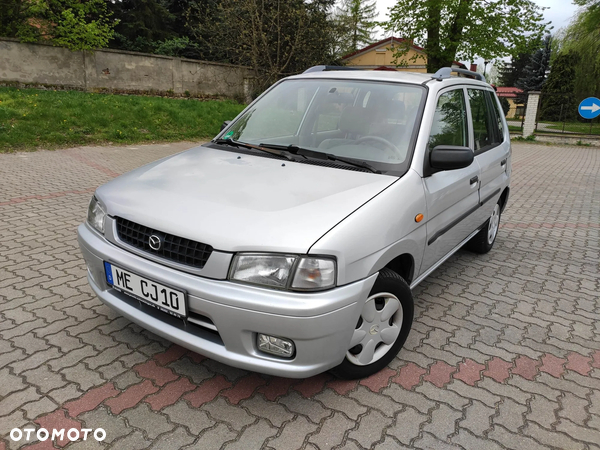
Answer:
(382, 328)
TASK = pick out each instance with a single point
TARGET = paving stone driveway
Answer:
(504, 353)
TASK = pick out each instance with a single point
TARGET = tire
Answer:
(377, 338)
(483, 241)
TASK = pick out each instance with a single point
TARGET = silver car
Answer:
(290, 243)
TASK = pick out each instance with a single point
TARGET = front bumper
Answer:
(225, 317)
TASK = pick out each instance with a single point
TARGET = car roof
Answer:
(386, 75)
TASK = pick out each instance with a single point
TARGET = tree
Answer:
(74, 24)
(558, 103)
(535, 73)
(583, 37)
(142, 23)
(356, 26)
(510, 72)
(462, 29)
(274, 37)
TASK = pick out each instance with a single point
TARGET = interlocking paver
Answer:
(504, 350)
(407, 425)
(16, 399)
(10, 383)
(293, 434)
(176, 439)
(153, 423)
(221, 411)
(131, 396)
(213, 439)
(194, 419)
(443, 422)
(114, 426)
(348, 406)
(39, 407)
(370, 429)
(477, 418)
(83, 376)
(91, 399)
(253, 437)
(332, 431)
(273, 412)
(510, 415)
(298, 404)
(133, 441)
(169, 394)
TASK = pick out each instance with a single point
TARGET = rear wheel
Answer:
(382, 327)
(483, 241)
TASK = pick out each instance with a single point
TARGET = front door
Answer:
(452, 195)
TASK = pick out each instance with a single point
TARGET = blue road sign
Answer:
(589, 108)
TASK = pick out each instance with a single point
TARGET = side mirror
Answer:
(225, 124)
(450, 157)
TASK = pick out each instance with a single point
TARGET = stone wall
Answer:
(120, 71)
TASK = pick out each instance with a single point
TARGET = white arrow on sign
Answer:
(592, 108)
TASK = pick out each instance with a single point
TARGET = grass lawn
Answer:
(31, 118)
(575, 127)
(514, 128)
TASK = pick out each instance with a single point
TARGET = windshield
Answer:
(364, 120)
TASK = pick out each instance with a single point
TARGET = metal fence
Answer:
(558, 114)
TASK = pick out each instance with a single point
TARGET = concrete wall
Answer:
(120, 70)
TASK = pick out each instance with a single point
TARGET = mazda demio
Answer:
(290, 243)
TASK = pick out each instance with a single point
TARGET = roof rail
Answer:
(328, 68)
(445, 72)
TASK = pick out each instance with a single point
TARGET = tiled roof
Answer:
(509, 92)
(392, 40)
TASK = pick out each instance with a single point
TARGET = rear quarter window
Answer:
(486, 133)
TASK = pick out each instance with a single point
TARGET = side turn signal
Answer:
(419, 217)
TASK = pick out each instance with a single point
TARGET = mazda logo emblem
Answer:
(155, 242)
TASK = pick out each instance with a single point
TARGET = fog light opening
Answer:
(276, 345)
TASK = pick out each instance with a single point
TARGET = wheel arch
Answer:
(403, 265)
(504, 199)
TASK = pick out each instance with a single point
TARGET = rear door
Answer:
(452, 195)
(491, 148)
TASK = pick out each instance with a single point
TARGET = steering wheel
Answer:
(387, 143)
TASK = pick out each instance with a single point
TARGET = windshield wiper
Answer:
(294, 149)
(238, 144)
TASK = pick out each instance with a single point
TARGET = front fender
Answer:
(377, 232)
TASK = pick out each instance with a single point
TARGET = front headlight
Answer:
(301, 273)
(96, 215)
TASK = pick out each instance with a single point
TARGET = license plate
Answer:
(158, 295)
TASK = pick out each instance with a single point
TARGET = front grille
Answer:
(173, 248)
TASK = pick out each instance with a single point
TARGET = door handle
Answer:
(503, 162)
(474, 180)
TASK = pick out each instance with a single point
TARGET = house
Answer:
(517, 109)
(380, 55)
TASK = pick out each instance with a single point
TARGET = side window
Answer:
(498, 116)
(485, 123)
(449, 122)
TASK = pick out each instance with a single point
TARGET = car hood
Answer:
(239, 202)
